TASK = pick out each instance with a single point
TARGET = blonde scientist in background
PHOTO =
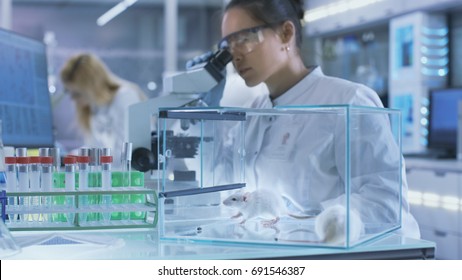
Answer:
(102, 100)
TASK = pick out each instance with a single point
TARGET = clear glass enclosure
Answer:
(306, 175)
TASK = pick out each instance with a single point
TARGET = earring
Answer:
(287, 48)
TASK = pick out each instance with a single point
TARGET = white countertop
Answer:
(144, 244)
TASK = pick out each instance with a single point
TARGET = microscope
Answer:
(183, 90)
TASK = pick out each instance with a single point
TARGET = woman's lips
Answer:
(243, 71)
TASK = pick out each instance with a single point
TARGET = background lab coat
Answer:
(109, 123)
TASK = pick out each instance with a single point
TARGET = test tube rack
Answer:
(129, 206)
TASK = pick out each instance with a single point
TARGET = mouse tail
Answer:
(301, 217)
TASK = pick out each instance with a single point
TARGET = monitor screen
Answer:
(443, 120)
(25, 107)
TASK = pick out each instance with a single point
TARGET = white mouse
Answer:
(260, 203)
(330, 225)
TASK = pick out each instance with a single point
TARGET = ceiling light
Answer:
(336, 8)
(114, 11)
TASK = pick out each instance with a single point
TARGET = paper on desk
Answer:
(69, 239)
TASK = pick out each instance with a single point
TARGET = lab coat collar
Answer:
(300, 88)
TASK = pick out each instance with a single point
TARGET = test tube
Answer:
(94, 174)
(46, 182)
(44, 152)
(34, 183)
(83, 164)
(126, 160)
(23, 179)
(84, 152)
(69, 184)
(56, 155)
(95, 154)
(106, 184)
(11, 185)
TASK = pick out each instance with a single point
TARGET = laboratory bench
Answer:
(144, 244)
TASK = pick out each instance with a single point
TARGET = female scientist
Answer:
(301, 159)
(102, 100)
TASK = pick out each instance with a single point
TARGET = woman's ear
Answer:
(287, 32)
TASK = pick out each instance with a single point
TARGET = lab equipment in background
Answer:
(418, 62)
(191, 189)
(201, 77)
(182, 89)
(443, 122)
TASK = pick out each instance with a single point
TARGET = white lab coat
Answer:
(299, 157)
(109, 124)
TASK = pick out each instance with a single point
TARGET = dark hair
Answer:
(274, 11)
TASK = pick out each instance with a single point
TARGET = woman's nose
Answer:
(236, 56)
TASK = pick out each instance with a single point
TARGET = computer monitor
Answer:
(25, 107)
(443, 121)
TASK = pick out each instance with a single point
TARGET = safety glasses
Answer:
(243, 41)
